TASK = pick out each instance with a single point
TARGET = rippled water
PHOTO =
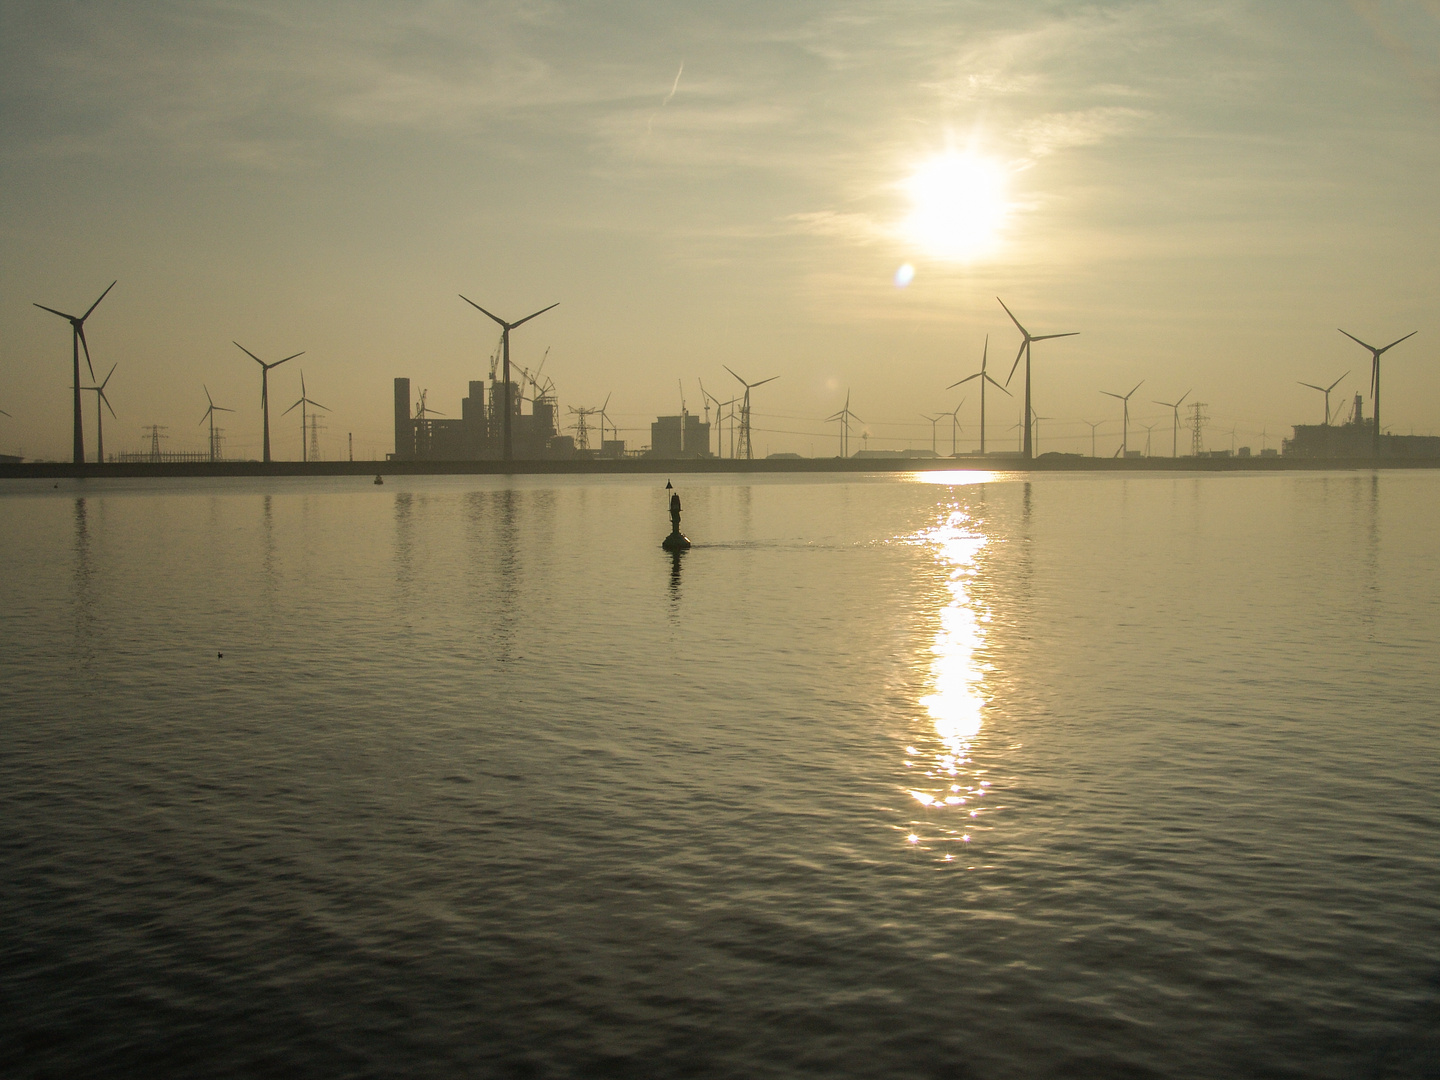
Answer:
(1086, 776)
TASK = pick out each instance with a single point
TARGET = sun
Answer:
(957, 206)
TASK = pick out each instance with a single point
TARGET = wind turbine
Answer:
(210, 415)
(843, 417)
(1326, 391)
(984, 377)
(745, 450)
(604, 418)
(1093, 424)
(265, 390)
(1374, 375)
(1175, 431)
(305, 400)
(77, 327)
(99, 416)
(1027, 448)
(955, 427)
(1125, 431)
(505, 328)
(933, 421)
(1035, 419)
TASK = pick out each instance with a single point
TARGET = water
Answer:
(1085, 776)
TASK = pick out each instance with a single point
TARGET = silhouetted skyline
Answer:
(1204, 193)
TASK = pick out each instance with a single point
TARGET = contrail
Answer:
(675, 87)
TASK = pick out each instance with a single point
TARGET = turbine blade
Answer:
(107, 403)
(52, 311)
(966, 379)
(248, 353)
(1398, 340)
(206, 416)
(1015, 321)
(1134, 388)
(728, 368)
(1017, 355)
(1183, 397)
(1333, 384)
(480, 309)
(1117, 397)
(1048, 337)
(277, 363)
(762, 382)
(107, 375)
(527, 318)
(998, 386)
(97, 302)
(1355, 339)
(985, 352)
(207, 395)
(318, 405)
(80, 330)
(1312, 386)
(296, 406)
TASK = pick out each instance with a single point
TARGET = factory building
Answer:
(1355, 439)
(683, 436)
(422, 434)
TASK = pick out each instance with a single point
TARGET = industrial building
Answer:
(424, 435)
(683, 436)
(1355, 439)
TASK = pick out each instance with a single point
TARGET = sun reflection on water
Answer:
(945, 779)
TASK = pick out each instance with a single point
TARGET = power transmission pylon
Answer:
(314, 437)
(1197, 428)
(155, 437)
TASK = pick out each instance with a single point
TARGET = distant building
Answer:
(1355, 439)
(683, 436)
(478, 433)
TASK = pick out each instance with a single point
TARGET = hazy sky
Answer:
(1205, 190)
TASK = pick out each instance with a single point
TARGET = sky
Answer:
(834, 194)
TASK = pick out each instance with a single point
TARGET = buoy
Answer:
(378, 480)
(676, 541)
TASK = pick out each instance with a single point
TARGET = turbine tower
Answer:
(955, 429)
(210, 415)
(305, 400)
(1125, 430)
(1027, 448)
(505, 328)
(1175, 431)
(1375, 355)
(843, 418)
(1326, 391)
(933, 421)
(265, 390)
(77, 328)
(99, 416)
(745, 451)
(984, 377)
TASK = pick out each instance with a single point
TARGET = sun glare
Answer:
(958, 206)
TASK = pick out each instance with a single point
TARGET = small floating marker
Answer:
(676, 541)
(219, 656)
(379, 479)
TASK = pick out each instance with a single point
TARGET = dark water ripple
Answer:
(485, 786)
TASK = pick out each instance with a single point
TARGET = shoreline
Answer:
(30, 470)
